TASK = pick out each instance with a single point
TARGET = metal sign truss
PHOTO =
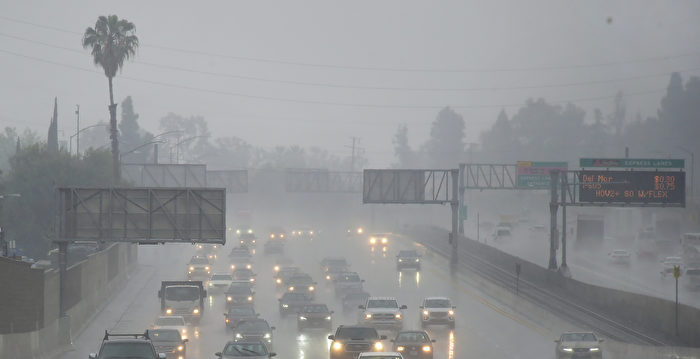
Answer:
(166, 175)
(143, 215)
(321, 180)
(235, 181)
(422, 186)
(489, 176)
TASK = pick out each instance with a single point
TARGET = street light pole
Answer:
(177, 146)
(137, 147)
(77, 129)
(692, 171)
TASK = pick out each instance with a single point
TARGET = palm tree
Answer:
(112, 41)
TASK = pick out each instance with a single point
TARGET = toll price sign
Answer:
(632, 187)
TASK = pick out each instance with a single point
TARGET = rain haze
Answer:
(364, 179)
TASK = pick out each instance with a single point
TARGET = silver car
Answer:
(244, 349)
(578, 345)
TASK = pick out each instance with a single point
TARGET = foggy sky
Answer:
(393, 35)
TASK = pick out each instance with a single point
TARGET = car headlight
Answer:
(279, 281)
(272, 236)
(191, 267)
(311, 288)
(378, 346)
(368, 316)
(451, 312)
(239, 336)
(169, 311)
(400, 348)
(397, 315)
(252, 279)
(285, 305)
(195, 311)
(250, 231)
(384, 240)
(227, 320)
(233, 266)
(184, 330)
(302, 318)
(360, 231)
(311, 233)
(238, 231)
(207, 267)
(276, 268)
(180, 348)
(426, 313)
(400, 260)
(281, 235)
(328, 277)
(291, 289)
(594, 349)
(241, 241)
(337, 345)
(328, 317)
(250, 299)
(253, 240)
(427, 348)
(268, 335)
(372, 240)
(248, 266)
(417, 260)
(229, 298)
(383, 249)
(566, 349)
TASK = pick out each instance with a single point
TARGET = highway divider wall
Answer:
(632, 309)
(30, 300)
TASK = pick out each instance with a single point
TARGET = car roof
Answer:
(381, 298)
(171, 316)
(436, 298)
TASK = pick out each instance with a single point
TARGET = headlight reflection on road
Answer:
(417, 279)
(451, 345)
(400, 278)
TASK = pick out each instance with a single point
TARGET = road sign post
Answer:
(676, 274)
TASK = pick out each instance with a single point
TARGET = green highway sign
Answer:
(463, 212)
(631, 162)
(536, 175)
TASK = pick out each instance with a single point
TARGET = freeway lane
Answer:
(484, 330)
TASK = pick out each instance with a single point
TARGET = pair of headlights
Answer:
(426, 348)
(378, 346)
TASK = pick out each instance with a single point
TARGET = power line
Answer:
(382, 88)
(380, 68)
(317, 102)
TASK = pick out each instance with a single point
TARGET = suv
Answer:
(170, 342)
(437, 310)
(198, 266)
(127, 345)
(383, 313)
(408, 259)
(351, 340)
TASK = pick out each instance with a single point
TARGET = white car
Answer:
(620, 256)
(380, 355)
(220, 281)
(437, 310)
(382, 313)
(172, 322)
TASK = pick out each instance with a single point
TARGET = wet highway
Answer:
(484, 329)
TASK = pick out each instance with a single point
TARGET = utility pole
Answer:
(355, 141)
(77, 130)
(553, 207)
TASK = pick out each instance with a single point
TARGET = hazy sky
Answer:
(316, 73)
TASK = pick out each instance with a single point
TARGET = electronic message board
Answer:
(632, 187)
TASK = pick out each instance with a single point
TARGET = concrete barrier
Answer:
(91, 283)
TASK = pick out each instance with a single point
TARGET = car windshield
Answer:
(412, 337)
(301, 280)
(241, 311)
(349, 278)
(164, 335)
(336, 263)
(437, 303)
(245, 349)
(240, 253)
(382, 303)
(131, 350)
(254, 326)
(199, 260)
(243, 273)
(293, 296)
(221, 277)
(578, 337)
(408, 254)
(318, 308)
(357, 332)
(170, 321)
(182, 293)
(238, 289)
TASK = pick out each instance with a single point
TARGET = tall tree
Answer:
(52, 140)
(617, 118)
(112, 41)
(131, 135)
(445, 147)
(402, 150)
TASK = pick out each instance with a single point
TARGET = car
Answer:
(220, 281)
(578, 345)
(248, 349)
(379, 242)
(408, 259)
(240, 257)
(667, 265)
(691, 277)
(355, 231)
(281, 262)
(254, 329)
(502, 232)
(437, 310)
(238, 314)
(330, 262)
(346, 283)
(198, 266)
(244, 274)
(351, 340)
(283, 274)
(277, 233)
(620, 256)
(353, 300)
(207, 250)
(127, 346)
(170, 342)
(292, 302)
(414, 344)
(382, 313)
(247, 239)
(314, 316)
(304, 233)
(303, 283)
(380, 355)
(237, 295)
(176, 322)
(274, 246)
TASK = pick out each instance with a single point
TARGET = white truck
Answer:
(382, 313)
(184, 298)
